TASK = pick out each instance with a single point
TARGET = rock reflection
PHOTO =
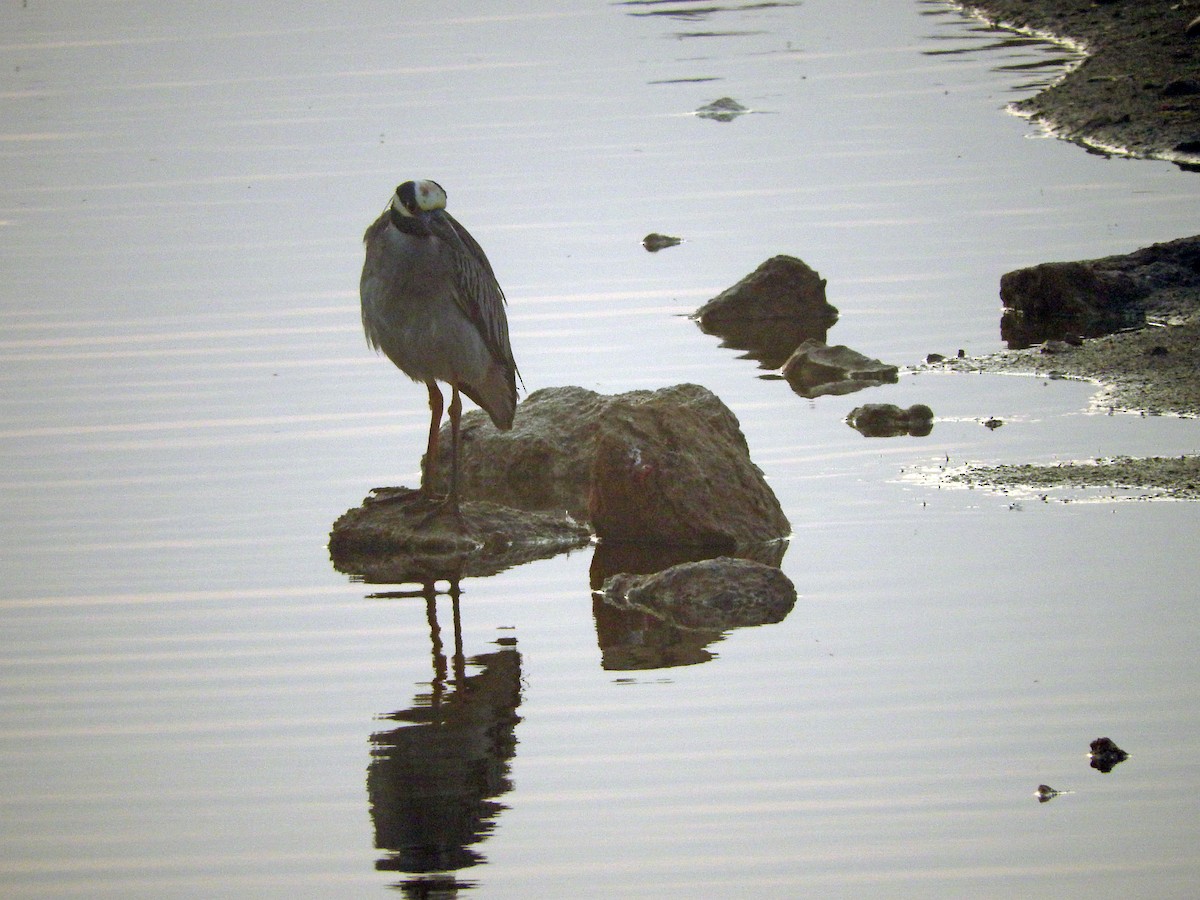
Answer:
(433, 781)
(767, 342)
(679, 9)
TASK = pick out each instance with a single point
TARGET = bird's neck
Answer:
(407, 224)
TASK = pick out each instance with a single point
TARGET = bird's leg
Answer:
(449, 503)
(429, 470)
(455, 415)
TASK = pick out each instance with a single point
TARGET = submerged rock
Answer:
(889, 420)
(673, 467)
(713, 594)
(396, 537)
(816, 369)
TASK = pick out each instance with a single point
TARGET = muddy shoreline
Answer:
(1136, 93)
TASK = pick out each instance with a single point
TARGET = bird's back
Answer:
(432, 304)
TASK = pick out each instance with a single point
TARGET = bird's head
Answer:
(414, 199)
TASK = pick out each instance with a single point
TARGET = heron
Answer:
(432, 305)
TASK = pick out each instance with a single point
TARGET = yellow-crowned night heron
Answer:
(431, 303)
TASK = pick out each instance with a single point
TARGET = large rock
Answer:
(543, 463)
(673, 463)
(713, 594)
(672, 467)
(1053, 300)
(816, 369)
(771, 311)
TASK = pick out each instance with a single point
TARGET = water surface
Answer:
(196, 704)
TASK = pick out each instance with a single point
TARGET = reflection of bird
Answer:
(431, 303)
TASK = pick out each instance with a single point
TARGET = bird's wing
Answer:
(478, 293)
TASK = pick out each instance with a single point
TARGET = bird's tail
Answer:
(496, 394)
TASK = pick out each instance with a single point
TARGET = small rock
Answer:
(653, 242)
(1045, 793)
(932, 358)
(1106, 754)
(725, 109)
(816, 369)
(771, 311)
(720, 593)
(889, 420)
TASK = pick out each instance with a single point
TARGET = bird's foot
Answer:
(444, 511)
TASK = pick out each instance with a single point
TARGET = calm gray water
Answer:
(196, 704)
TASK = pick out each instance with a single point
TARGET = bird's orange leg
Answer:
(429, 470)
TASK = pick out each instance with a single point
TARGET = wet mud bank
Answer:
(1136, 92)
(1138, 89)
(1152, 367)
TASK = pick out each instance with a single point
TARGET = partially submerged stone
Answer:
(1090, 298)
(1152, 368)
(653, 242)
(889, 420)
(1045, 793)
(1052, 300)
(724, 109)
(1106, 755)
(673, 467)
(713, 594)
(611, 558)
(771, 311)
(816, 369)
(394, 537)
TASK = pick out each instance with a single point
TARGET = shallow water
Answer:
(196, 704)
